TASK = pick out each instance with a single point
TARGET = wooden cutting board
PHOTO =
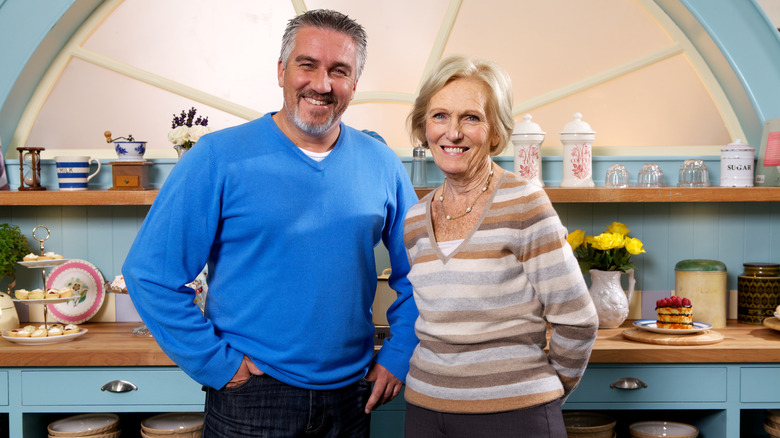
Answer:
(703, 338)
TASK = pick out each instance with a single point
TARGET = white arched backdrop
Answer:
(132, 65)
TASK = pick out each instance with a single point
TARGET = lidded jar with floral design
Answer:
(577, 138)
(527, 139)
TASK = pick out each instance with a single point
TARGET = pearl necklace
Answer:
(468, 210)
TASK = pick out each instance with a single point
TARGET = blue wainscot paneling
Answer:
(733, 232)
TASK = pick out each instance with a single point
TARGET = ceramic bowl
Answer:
(668, 429)
(84, 425)
(173, 425)
(588, 425)
(130, 150)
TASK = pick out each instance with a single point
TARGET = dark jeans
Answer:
(265, 407)
(539, 421)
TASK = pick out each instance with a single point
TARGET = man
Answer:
(286, 210)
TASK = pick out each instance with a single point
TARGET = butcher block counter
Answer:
(723, 388)
(112, 344)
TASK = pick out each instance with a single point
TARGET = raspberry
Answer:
(686, 302)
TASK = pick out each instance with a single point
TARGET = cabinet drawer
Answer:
(759, 384)
(83, 387)
(664, 384)
(3, 388)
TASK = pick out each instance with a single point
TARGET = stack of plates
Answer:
(772, 423)
(101, 425)
(173, 425)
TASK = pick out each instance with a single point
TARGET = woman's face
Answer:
(457, 128)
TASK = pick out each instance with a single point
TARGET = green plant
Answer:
(13, 248)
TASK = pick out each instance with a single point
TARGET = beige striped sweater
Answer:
(484, 308)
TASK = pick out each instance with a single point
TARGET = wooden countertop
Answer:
(104, 344)
(742, 343)
(112, 344)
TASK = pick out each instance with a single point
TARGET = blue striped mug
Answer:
(73, 171)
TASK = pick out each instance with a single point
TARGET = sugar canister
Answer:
(527, 138)
(704, 283)
(577, 138)
(736, 165)
(758, 292)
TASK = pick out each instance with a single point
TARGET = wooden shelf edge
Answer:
(660, 194)
(87, 197)
(556, 194)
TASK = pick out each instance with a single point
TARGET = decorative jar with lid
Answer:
(736, 165)
(577, 138)
(758, 292)
(704, 283)
(527, 139)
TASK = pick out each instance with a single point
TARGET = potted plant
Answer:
(13, 248)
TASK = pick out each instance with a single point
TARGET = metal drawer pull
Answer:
(119, 386)
(628, 383)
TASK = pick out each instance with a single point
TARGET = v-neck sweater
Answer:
(485, 307)
(290, 244)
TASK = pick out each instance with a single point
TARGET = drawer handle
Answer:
(628, 383)
(119, 386)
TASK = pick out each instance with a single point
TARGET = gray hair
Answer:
(329, 20)
(498, 88)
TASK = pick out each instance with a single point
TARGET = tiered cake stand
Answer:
(43, 264)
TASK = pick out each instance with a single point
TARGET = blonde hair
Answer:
(499, 97)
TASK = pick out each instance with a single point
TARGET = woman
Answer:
(490, 269)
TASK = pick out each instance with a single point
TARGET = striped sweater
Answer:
(485, 308)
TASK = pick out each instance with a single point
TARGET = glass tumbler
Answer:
(617, 176)
(650, 176)
(693, 173)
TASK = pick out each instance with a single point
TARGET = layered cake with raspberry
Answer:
(674, 313)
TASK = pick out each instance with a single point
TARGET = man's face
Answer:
(319, 80)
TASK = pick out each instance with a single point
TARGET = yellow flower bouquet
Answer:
(609, 251)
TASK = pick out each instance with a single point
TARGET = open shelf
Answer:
(85, 197)
(659, 194)
(556, 194)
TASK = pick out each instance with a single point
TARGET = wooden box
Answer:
(130, 175)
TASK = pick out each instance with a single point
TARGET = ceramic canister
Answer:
(527, 138)
(758, 292)
(736, 165)
(704, 283)
(577, 138)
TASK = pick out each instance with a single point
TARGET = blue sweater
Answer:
(289, 243)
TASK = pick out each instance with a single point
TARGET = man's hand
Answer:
(386, 386)
(246, 369)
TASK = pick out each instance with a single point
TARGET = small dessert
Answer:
(52, 293)
(14, 333)
(30, 328)
(40, 333)
(674, 313)
(36, 294)
(70, 329)
(21, 333)
(52, 255)
(66, 292)
(54, 331)
(30, 257)
(21, 294)
(118, 285)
